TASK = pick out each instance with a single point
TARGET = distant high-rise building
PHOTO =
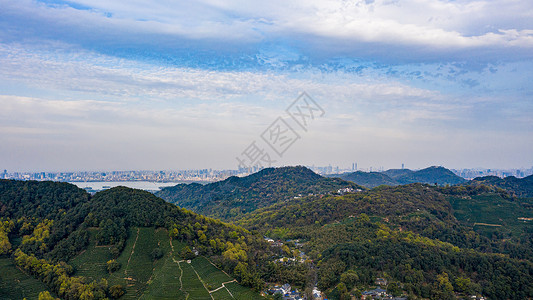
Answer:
(403, 166)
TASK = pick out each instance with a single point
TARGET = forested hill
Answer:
(367, 179)
(236, 196)
(394, 173)
(118, 241)
(38, 199)
(429, 242)
(431, 175)
(521, 187)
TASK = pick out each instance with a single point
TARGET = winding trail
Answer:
(132, 251)
(485, 224)
(197, 275)
(223, 284)
(179, 266)
(225, 287)
(203, 283)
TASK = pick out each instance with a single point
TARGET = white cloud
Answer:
(165, 109)
(335, 27)
(124, 79)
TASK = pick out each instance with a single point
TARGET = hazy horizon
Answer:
(106, 85)
(341, 168)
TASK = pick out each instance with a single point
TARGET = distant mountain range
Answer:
(392, 177)
(239, 195)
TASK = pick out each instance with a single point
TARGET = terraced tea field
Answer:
(14, 284)
(170, 277)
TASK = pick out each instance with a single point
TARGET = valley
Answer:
(325, 237)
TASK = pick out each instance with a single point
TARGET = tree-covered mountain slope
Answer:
(367, 179)
(412, 236)
(394, 173)
(520, 187)
(121, 243)
(431, 175)
(236, 196)
(427, 241)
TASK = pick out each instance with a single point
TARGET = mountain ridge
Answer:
(235, 196)
(431, 175)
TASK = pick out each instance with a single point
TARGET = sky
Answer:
(168, 85)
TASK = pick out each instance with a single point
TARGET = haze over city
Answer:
(105, 85)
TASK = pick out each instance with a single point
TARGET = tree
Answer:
(114, 251)
(46, 296)
(463, 285)
(286, 250)
(116, 291)
(394, 289)
(113, 266)
(174, 233)
(5, 229)
(350, 278)
(187, 253)
(443, 289)
(343, 291)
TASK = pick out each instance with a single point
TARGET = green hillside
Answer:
(120, 243)
(431, 175)
(496, 217)
(233, 197)
(367, 179)
(521, 187)
(428, 241)
(394, 173)
(15, 284)
(416, 235)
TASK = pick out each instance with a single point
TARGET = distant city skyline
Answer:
(113, 85)
(210, 175)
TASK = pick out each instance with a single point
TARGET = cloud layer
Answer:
(415, 30)
(109, 84)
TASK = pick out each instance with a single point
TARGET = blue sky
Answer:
(114, 85)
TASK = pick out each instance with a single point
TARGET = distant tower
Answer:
(356, 166)
(403, 166)
(353, 166)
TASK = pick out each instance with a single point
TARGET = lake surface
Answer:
(141, 185)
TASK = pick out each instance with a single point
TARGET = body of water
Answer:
(141, 185)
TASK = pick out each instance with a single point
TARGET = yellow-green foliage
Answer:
(46, 296)
(5, 229)
(236, 252)
(41, 232)
(56, 275)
